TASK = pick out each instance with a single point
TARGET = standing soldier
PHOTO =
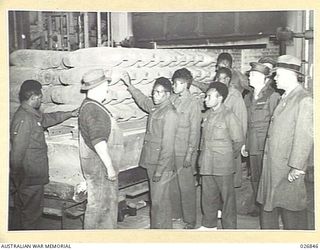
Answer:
(260, 105)
(29, 169)
(221, 141)
(289, 142)
(157, 154)
(186, 145)
(101, 146)
(235, 103)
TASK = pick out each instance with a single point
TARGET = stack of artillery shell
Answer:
(61, 74)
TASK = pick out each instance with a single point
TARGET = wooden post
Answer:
(109, 29)
(98, 29)
(86, 29)
(15, 30)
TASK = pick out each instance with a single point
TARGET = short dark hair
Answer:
(183, 74)
(221, 88)
(29, 88)
(224, 70)
(225, 56)
(164, 82)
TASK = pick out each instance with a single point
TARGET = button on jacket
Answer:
(221, 140)
(259, 115)
(158, 147)
(288, 145)
(28, 147)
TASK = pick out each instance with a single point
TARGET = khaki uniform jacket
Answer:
(235, 103)
(288, 145)
(188, 133)
(221, 139)
(259, 115)
(239, 81)
(28, 155)
(158, 147)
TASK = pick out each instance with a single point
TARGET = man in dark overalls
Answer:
(100, 143)
(157, 154)
(260, 105)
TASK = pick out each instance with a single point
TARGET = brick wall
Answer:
(242, 57)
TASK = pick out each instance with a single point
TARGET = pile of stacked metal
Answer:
(61, 73)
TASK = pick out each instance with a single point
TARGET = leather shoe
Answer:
(189, 226)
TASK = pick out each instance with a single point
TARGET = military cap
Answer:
(255, 66)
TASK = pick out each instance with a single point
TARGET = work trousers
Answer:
(28, 202)
(183, 193)
(256, 169)
(214, 188)
(292, 220)
(102, 202)
(161, 208)
(238, 172)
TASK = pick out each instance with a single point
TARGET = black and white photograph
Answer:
(192, 121)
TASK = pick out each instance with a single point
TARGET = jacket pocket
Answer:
(220, 131)
(37, 140)
(150, 151)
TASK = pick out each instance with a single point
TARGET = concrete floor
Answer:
(142, 219)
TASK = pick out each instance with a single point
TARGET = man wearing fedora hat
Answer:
(260, 106)
(289, 142)
(101, 145)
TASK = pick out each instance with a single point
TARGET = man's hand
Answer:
(75, 113)
(187, 161)
(112, 175)
(294, 174)
(126, 78)
(243, 151)
(156, 177)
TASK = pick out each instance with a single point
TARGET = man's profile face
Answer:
(282, 78)
(179, 85)
(256, 79)
(212, 98)
(159, 94)
(36, 101)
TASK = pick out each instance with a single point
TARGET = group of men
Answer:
(275, 131)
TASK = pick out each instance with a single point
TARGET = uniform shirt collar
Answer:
(185, 94)
(218, 110)
(165, 103)
(30, 109)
